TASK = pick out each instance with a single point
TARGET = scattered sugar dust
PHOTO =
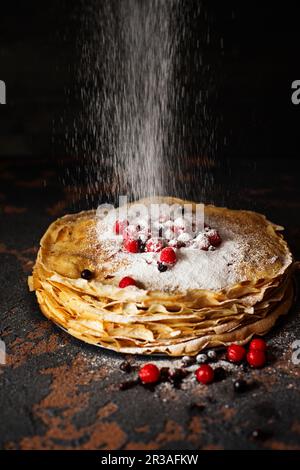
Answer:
(143, 90)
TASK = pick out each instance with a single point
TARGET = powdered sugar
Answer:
(195, 269)
(213, 258)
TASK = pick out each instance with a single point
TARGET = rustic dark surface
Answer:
(59, 393)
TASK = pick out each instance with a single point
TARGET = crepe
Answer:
(187, 313)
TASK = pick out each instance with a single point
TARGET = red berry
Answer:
(130, 232)
(256, 358)
(149, 374)
(131, 245)
(214, 237)
(154, 245)
(235, 353)
(258, 343)
(168, 256)
(120, 226)
(127, 281)
(205, 374)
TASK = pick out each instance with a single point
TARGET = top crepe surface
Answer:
(70, 245)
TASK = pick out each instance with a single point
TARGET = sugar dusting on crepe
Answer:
(195, 269)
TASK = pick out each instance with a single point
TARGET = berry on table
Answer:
(256, 358)
(258, 343)
(235, 353)
(205, 374)
(201, 358)
(188, 361)
(240, 386)
(212, 354)
(149, 374)
(127, 281)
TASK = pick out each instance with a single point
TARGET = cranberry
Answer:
(168, 256)
(235, 353)
(131, 245)
(127, 281)
(258, 343)
(256, 358)
(205, 374)
(214, 237)
(149, 374)
(120, 226)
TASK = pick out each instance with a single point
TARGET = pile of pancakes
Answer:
(140, 320)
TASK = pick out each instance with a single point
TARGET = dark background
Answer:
(39, 56)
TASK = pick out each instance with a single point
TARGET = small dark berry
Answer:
(86, 274)
(180, 245)
(212, 355)
(178, 374)
(126, 366)
(142, 246)
(188, 361)
(162, 267)
(164, 374)
(201, 358)
(176, 377)
(260, 435)
(240, 386)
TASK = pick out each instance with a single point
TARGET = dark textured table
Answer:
(59, 393)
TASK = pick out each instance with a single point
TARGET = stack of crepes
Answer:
(146, 320)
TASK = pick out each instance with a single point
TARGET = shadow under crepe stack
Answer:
(224, 296)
